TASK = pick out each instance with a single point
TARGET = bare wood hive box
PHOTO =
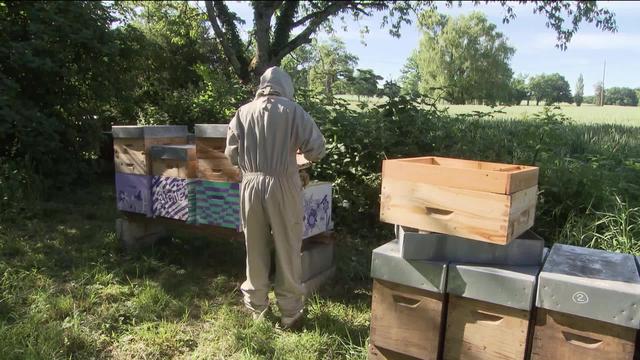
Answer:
(131, 145)
(476, 200)
(213, 164)
(588, 305)
(408, 305)
(489, 311)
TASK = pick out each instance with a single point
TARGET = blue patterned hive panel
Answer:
(133, 193)
(170, 197)
(317, 209)
(217, 203)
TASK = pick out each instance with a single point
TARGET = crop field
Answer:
(585, 114)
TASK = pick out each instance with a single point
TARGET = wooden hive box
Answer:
(475, 200)
(408, 305)
(173, 167)
(131, 145)
(588, 305)
(213, 164)
(316, 257)
(317, 208)
(133, 193)
(489, 311)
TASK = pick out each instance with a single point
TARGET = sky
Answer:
(534, 43)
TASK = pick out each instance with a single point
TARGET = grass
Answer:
(586, 114)
(68, 291)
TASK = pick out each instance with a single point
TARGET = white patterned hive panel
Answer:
(169, 197)
(317, 209)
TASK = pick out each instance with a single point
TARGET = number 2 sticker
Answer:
(580, 297)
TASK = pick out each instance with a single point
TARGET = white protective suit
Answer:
(262, 140)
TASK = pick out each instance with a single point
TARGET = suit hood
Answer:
(275, 81)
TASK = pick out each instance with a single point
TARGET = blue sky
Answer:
(534, 43)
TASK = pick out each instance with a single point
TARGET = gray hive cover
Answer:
(171, 152)
(512, 286)
(596, 284)
(149, 131)
(211, 130)
(526, 249)
(316, 258)
(386, 264)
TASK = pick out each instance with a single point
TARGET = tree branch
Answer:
(284, 25)
(219, 17)
(262, 14)
(305, 36)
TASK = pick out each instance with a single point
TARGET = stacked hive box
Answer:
(217, 191)
(132, 145)
(172, 167)
(473, 219)
(588, 305)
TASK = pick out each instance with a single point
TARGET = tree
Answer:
(333, 67)
(551, 88)
(410, 75)
(390, 89)
(465, 57)
(56, 76)
(621, 96)
(598, 94)
(365, 83)
(579, 95)
(519, 90)
(637, 90)
(295, 22)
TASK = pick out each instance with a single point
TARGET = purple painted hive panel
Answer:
(133, 193)
(169, 197)
(317, 209)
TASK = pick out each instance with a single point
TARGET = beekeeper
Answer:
(263, 139)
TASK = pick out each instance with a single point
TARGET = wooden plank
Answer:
(462, 174)
(217, 170)
(479, 330)
(184, 169)
(470, 214)
(129, 156)
(406, 320)
(379, 353)
(207, 148)
(564, 336)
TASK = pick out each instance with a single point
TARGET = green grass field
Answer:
(587, 113)
(68, 291)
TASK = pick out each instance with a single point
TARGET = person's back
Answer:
(263, 139)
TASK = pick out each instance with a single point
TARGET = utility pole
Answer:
(602, 91)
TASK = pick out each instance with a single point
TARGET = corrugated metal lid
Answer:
(596, 284)
(386, 264)
(211, 130)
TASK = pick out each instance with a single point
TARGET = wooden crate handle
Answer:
(406, 301)
(510, 168)
(581, 340)
(439, 213)
(487, 317)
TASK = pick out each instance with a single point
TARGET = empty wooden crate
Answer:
(213, 165)
(131, 145)
(472, 199)
(489, 311)
(173, 167)
(588, 305)
(408, 305)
